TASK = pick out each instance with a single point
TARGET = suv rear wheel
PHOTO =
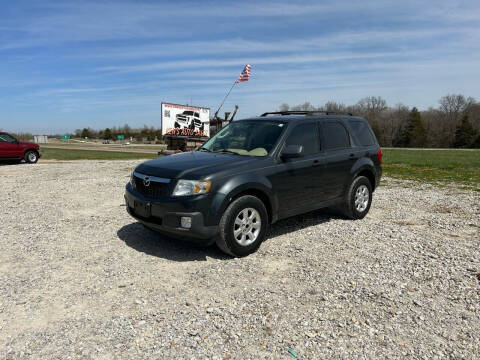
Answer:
(243, 226)
(359, 198)
(31, 157)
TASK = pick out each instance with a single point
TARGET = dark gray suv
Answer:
(255, 172)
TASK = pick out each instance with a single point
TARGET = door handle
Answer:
(316, 163)
(352, 155)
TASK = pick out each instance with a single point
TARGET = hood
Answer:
(29, 144)
(195, 163)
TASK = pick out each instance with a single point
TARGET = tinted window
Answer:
(6, 138)
(362, 132)
(307, 136)
(336, 136)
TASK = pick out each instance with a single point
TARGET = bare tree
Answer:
(334, 107)
(392, 124)
(306, 106)
(372, 107)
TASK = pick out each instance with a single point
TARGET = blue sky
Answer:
(67, 65)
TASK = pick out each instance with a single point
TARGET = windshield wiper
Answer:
(205, 149)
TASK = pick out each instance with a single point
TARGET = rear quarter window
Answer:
(362, 132)
(335, 136)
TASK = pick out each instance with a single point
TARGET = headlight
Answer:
(191, 187)
(132, 181)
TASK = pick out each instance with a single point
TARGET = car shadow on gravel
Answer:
(152, 243)
(11, 162)
(302, 221)
(140, 238)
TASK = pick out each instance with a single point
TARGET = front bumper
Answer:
(165, 217)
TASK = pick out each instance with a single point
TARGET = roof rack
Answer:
(314, 112)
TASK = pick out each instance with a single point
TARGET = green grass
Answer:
(434, 166)
(107, 146)
(68, 154)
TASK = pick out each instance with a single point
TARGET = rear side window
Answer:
(307, 136)
(335, 136)
(362, 132)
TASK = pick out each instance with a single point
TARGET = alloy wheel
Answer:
(247, 226)
(362, 196)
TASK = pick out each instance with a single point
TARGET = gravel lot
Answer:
(79, 278)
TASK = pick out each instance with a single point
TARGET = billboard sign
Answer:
(184, 120)
(120, 137)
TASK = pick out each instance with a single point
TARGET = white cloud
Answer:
(209, 63)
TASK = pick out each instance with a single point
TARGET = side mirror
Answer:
(292, 151)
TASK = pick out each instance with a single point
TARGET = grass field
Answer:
(434, 166)
(69, 154)
(52, 144)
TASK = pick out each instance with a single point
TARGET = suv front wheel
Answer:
(359, 198)
(31, 157)
(243, 226)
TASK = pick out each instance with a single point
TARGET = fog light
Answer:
(186, 222)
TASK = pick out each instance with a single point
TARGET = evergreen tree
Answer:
(476, 143)
(107, 134)
(465, 134)
(414, 134)
(85, 133)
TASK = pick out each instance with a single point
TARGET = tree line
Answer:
(454, 123)
(139, 134)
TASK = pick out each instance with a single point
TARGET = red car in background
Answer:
(12, 149)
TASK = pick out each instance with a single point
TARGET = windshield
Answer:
(253, 138)
(188, 113)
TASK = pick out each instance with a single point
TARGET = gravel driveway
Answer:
(79, 278)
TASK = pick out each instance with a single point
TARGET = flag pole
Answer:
(225, 98)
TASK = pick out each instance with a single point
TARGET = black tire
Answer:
(176, 125)
(349, 207)
(226, 240)
(31, 156)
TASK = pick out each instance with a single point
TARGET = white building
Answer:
(40, 139)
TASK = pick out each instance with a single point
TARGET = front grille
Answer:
(156, 190)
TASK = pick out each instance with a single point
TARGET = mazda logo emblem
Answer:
(146, 181)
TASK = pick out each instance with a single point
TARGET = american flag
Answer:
(245, 75)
